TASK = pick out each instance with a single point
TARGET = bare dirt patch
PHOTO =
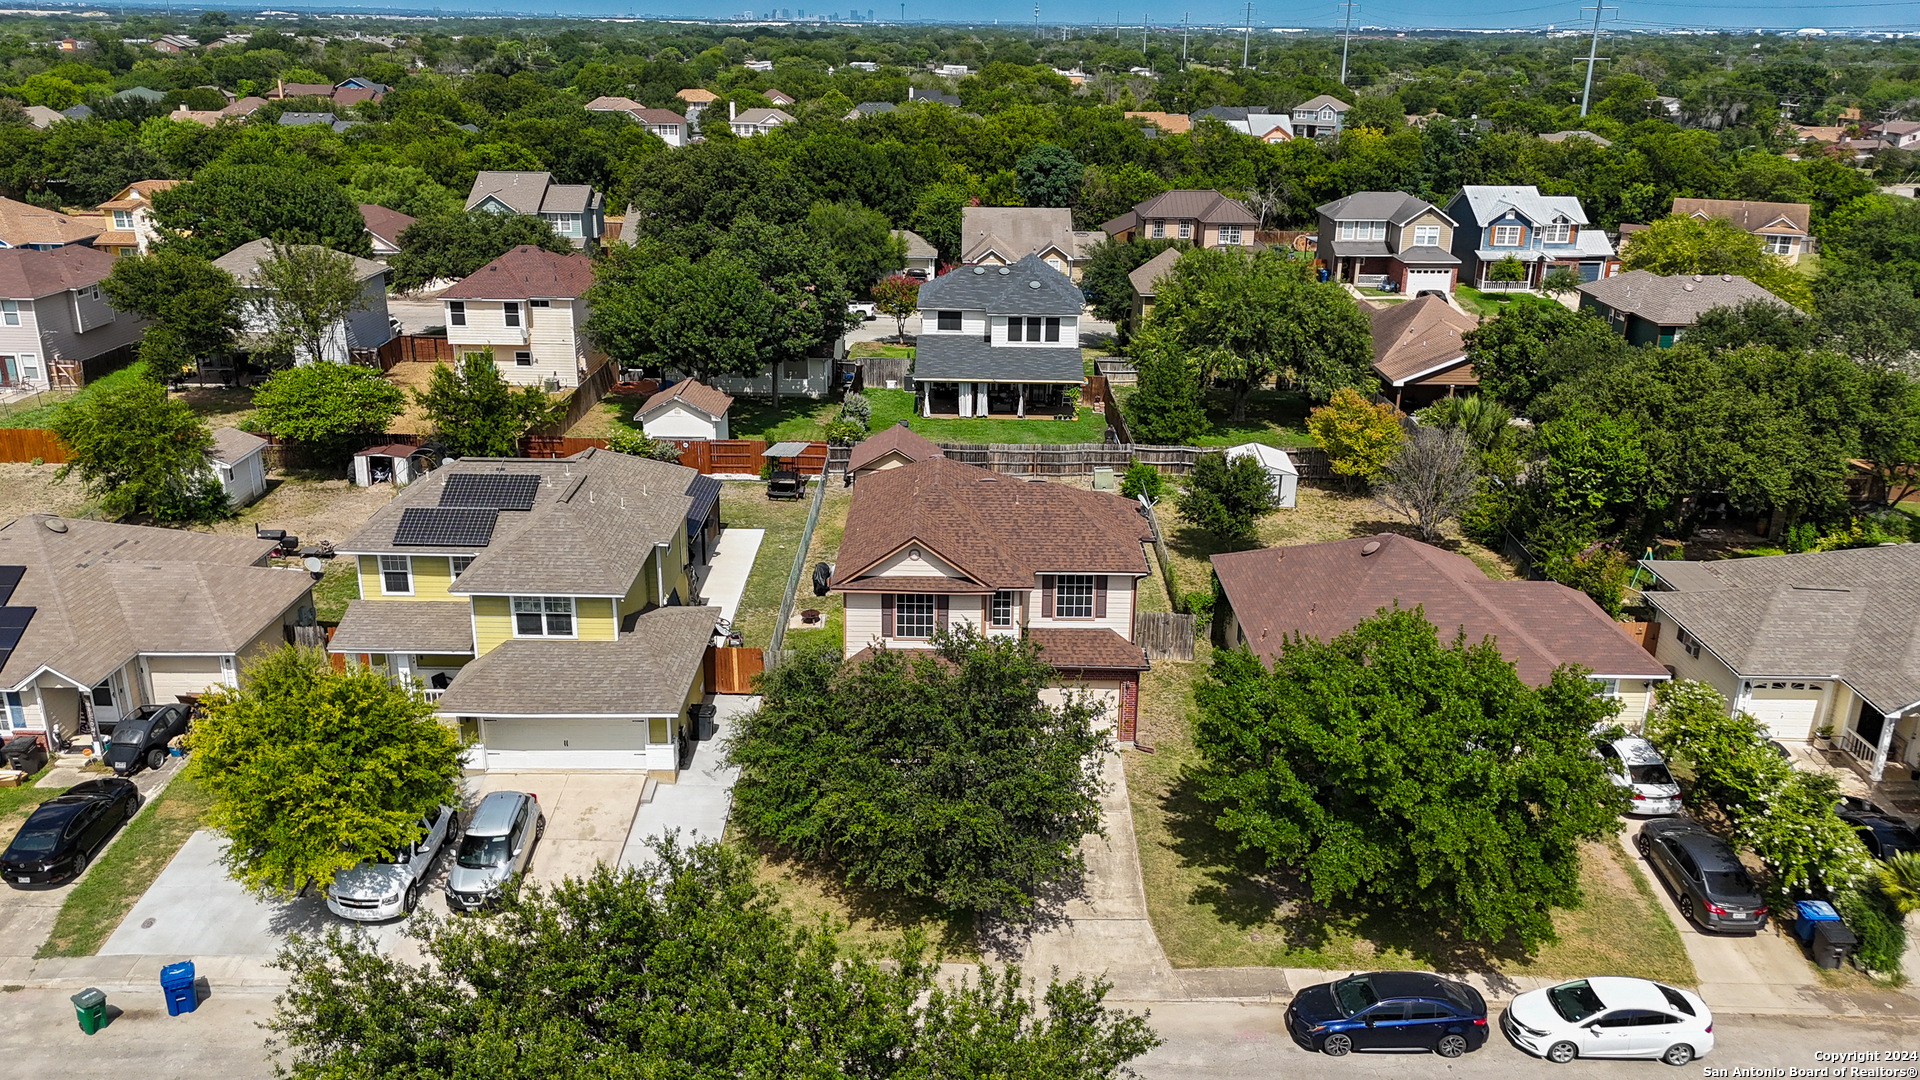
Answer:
(31, 489)
(313, 510)
(411, 376)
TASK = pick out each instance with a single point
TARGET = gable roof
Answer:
(658, 116)
(1753, 217)
(645, 671)
(1676, 300)
(26, 274)
(22, 224)
(998, 531)
(1489, 201)
(777, 97)
(917, 246)
(872, 108)
(1324, 590)
(230, 444)
(761, 117)
(1145, 278)
(1171, 123)
(697, 394)
(527, 273)
(244, 261)
(1418, 338)
(137, 194)
(695, 94)
(384, 223)
(520, 192)
(1831, 614)
(1563, 136)
(1207, 206)
(1014, 232)
(42, 117)
(1027, 286)
(894, 440)
(606, 103)
(1395, 206)
(1321, 100)
(305, 119)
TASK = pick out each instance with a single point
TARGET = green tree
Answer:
(939, 773)
(1167, 406)
(1509, 268)
(313, 771)
(1678, 244)
(194, 306)
(897, 297)
(859, 240)
(1359, 436)
(701, 316)
(1876, 238)
(1383, 766)
(1560, 282)
(304, 295)
(225, 206)
(1875, 322)
(1048, 176)
(1227, 498)
(407, 188)
(1105, 279)
(1530, 347)
(139, 452)
(452, 246)
(475, 413)
(330, 409)
(685, 966)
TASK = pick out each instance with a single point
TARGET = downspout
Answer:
(660, 572)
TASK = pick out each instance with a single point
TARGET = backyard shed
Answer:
(685, 410)
(380, 464)
(239, 460)
(1280, 468)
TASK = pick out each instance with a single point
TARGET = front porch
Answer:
(1901, 796)
(1007, 401)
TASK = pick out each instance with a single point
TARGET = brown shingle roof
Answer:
(645, 672)
(1324, 590)
(1417, 337)
(23, 223)
(384, 223)
(26, 274)
(998, 531)
(606, 103)
(1171, 123)
(894, 440)
(1146, 277)
(1079, 650)
(1208, 206)
(527, 273)
(144, 189)
(696, 94)
(1753, 217)
(699, 395)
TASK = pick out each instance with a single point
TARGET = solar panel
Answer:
(491, 491)
(13, 626)
(439, 525)
(9, 580)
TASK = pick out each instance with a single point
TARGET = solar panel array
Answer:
(10, 579)
(491, 491)
(446, 526)
(13, 626)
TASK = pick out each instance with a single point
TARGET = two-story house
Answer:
(130, 215)
(1002, 340)
(1388, 239)
(526, 309)
(1784, 229)
(544, 605)
(367, 326)
(669, 125)
(576, 211)
(24, 225)
(747, 123)
(57, 329)
(1205, 218)
(1543, 232)
(1003, 235)
(935, 544)
(1319, 116)
(1899, 134)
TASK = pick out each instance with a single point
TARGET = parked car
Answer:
(67, 831)
(1389, 1010)
(142, 738)
(1884, 834)
(1704, 875)
(389, 887)
(1610, 1018)
(1632, 763)
(498, 845)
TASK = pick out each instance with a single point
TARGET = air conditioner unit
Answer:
(552, 384)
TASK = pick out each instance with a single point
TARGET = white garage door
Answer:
(1428, 279)
(1786, 712)
(1105, 695)
(569, 744)
(172, 676)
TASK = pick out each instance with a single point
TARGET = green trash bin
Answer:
(90, 1006)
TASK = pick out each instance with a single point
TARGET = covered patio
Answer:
(1005, 400)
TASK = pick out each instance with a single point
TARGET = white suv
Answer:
(1634, 764)
(389, 887)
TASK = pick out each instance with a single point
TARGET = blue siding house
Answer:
(1545, 232)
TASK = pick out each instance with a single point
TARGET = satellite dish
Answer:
(314, 566)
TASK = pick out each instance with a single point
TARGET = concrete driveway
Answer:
(27, 914)
(696, 806)
(588, 817)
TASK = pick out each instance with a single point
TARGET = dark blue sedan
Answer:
(67, 831)
(1389, 1010)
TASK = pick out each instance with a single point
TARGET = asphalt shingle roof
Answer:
(520, 192)
(1394, 206)
(894, 440)
(1674, 301)
(1415, 337)
(244, 261)
(527, 273)
(230, 444)
(644, 672)
(1146, 277)
(965, 358)
(434, 627)
(697, 394)
(26, 274)
(1004, 290)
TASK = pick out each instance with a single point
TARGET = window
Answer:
(564, 224)
(543, 616)
(511, 313)
(1186, 230)
(948, 320)
(123, 220)
(15, 714)
(539, 303)
(1506, 235)
(913, 615)
(93, 292)
(1426, 236)
(1557, 233)
(1623, 1018)
(1688, 642)
(1014, 325)
(1053, 329)
(28, 370)
(1363, 230)
(10, 312)
(1230, 235)
(523, 359)
(396, 575)
(460, 564)
(1427, 1010)
(1779, 245)
(1159, 230)
(456, 313)
(1073, 597)
(1000, 609)
(1609, 688)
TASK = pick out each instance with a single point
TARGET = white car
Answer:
(389, 887)
(1608, 1017)
(1634, 764)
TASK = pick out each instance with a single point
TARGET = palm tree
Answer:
(1900, 881)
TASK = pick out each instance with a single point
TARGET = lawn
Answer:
(339, 584)
(872, 919)
(218, 406)
(892, 406)
(744, 505)
(127, 869)
(17, 802)
(38, 411)
(1490, 303)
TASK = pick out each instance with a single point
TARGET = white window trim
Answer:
(1426, 236)
(993, 602)
(510, 314)
(1557, 233)
(518, 353)
(10, 312)
(1514, 231)
(1060, 584)
(406, 564)
(1228, 234)
(900, 600)
(456, 313)
(573, 616)
(458, 564)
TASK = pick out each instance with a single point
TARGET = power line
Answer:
(1347, 37)
(1593, 51)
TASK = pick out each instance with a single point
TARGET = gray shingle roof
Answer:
(435, 627)
(1005, 290)
(965, 358)
(304, 119)
(1674, 301)
(1146, 277)
(519, 192)
(1489, 201)
(1832, 614)
(230, 444)
(244, 261)
(917, 246)
(645, 672)
(1395, 206)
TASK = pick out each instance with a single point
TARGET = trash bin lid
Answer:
(1817, 911)
(91, 997)
(1834, 933)
(174, 974)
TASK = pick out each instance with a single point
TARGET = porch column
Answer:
(1887, 724)
(1021, 409)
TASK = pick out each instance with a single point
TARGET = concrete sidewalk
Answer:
(697, 804)
(727, 571)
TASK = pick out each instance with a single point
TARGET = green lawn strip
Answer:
(127, 869)
(41, 415)
(339, 584)
(870, 919)
(892, 406)
(1490, 303)
(18, 802)
(744, 505)
(798, 418)
(876, 348)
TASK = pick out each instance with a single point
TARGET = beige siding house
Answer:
(526, 309)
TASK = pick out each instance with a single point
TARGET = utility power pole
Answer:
(1347, 36)
(1143, 32)
(1183, 39)
(1593, 53)
(1246, 43)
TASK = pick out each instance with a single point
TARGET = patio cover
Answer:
(785, 450)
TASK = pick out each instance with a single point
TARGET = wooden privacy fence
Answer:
(742, 456)
(413, 348)
(25, 444)
(731, 671)
(557, 446)
(1164, 635)
(585, 396)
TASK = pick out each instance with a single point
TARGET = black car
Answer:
(66, 831)
(143, 737)
(1389, 1010)
(1705, 876)
(1884, 834)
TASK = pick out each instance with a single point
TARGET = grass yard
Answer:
(892, 406)
(872, 919)
(127, 869)
(1484, 304)
(744, 505)
(219, 406)
(16, 803)
(339, 584)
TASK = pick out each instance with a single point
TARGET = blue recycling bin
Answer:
(176, 981)
(1809, 913)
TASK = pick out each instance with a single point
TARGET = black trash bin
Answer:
(26, 753)
(702, 721)
(1832, 944)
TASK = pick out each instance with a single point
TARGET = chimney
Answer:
(730, 108)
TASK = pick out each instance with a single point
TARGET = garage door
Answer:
(1787, 712)
(1105, 695)
(1418, 280)
(569, 744)
(172, 676)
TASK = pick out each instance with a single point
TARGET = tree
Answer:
(1431, 480)
(1166, 406)
(452, 246)
(939, 773)
(1509, 268)
(475, 413)
(703, 317)
(1530, 347)
(1560, 282)
(1048, 176)
(1228, 498)
(313, 771)
(1359, 436)
(139, 452)
(686, 966)
(1678, 244)
(1105, 279)
(194, 306)
(330, 409)
(304, 294)
(1876, 239)
(407, 188)
(897, 297)
(1385, 766)
(229, 205)
(1875, 322)
(858, 240)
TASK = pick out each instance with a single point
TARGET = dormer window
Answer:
(123, 220)
(1559, 232)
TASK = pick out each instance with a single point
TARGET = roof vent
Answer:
(1033, 284)
(1369, 548)
(1688, 287)
(979, 269)
(1006, 270)
(1726, 277)
(55, 524)
(1697, 277)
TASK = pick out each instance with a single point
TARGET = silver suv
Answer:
(497, 847)
(389, 887)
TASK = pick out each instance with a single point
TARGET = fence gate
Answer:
(1164, 635)
(731, 671)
